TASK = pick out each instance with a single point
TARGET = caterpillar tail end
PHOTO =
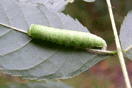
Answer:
(104, 46)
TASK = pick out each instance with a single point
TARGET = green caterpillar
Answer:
(67, 37)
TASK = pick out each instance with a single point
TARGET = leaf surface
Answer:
(57, 5)
(20, 55)
(126, 35)
(47, 84)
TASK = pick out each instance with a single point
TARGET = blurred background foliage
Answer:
(95, 16)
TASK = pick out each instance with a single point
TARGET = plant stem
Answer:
(118, 45)
(103, 51)
(13, 28)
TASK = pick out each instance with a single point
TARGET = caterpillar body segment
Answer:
(67, 37)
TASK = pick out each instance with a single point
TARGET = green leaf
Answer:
(20, 55)
(126, 35)
(48, 84)
(57, 5)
